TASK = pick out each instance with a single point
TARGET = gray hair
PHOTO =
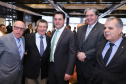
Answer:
(119, 23)
(42, 21)
(93, 9)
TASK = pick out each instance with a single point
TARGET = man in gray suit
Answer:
(88, 36)
(11, 54)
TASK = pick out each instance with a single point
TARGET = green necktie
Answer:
(52, 46)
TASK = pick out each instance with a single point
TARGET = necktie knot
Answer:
(111, 44)
(41, 37)
(18, 40)
(57, 31)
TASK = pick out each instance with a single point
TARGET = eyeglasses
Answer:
(17, 28)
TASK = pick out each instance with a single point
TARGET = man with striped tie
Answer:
(12, 47)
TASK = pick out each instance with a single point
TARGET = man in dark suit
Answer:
(63, 52)
(9, 28)
(28, 30)
(37, 59)
(12, 47)
(111, 55)
(88, 36)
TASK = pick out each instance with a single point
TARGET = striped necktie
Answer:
(19, 48)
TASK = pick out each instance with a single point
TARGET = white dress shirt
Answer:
(56, 41)
(37, 36)
(89, 28)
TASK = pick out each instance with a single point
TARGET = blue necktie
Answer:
(19, 48)
(41, 46)
(108, 53)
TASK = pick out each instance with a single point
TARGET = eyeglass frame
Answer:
(17, 28)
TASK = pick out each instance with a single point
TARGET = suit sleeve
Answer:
(72, 55)
(2, 48)
(90, 53)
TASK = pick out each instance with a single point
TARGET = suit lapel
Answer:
(34, 43)
(14, 44)
(61, 37)
(94, 29)
(46, 46)
(100, 58)
(81, 37)
(119, 51)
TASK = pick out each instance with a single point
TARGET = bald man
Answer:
(12, 47)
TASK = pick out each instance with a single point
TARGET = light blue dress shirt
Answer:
(114, 49)
(22, 45)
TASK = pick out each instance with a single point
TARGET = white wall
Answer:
(2, 21)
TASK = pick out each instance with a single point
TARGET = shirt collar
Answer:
(93, 25)
(38, 35)
(61, 29)
(15, 37)
(117, 43)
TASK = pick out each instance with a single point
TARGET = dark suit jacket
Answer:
(9, 29)
(65, 54)
(33, 62)
(88, 47)
(115, 72)
(27, 31)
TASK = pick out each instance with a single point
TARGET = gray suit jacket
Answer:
(88, 46)
(10, 63)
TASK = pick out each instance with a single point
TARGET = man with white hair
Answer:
(12, 47)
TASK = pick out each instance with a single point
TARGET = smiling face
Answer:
(111, 32)
(18, 29)
(42, 28)
(59, 21)
(91, 17)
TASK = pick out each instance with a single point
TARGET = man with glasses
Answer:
(36, 61)
(12, 47)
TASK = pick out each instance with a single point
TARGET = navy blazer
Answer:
(33, 62)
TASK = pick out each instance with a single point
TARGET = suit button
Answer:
(40, 59)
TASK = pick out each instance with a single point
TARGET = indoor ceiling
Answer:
(72, 8)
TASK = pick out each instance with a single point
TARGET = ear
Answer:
(120, 30)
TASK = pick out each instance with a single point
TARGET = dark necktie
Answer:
(107, 55)
(41, 46)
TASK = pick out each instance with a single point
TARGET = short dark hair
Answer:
(29, 25)
(42, 21)
(2, 25)
(59, 12)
